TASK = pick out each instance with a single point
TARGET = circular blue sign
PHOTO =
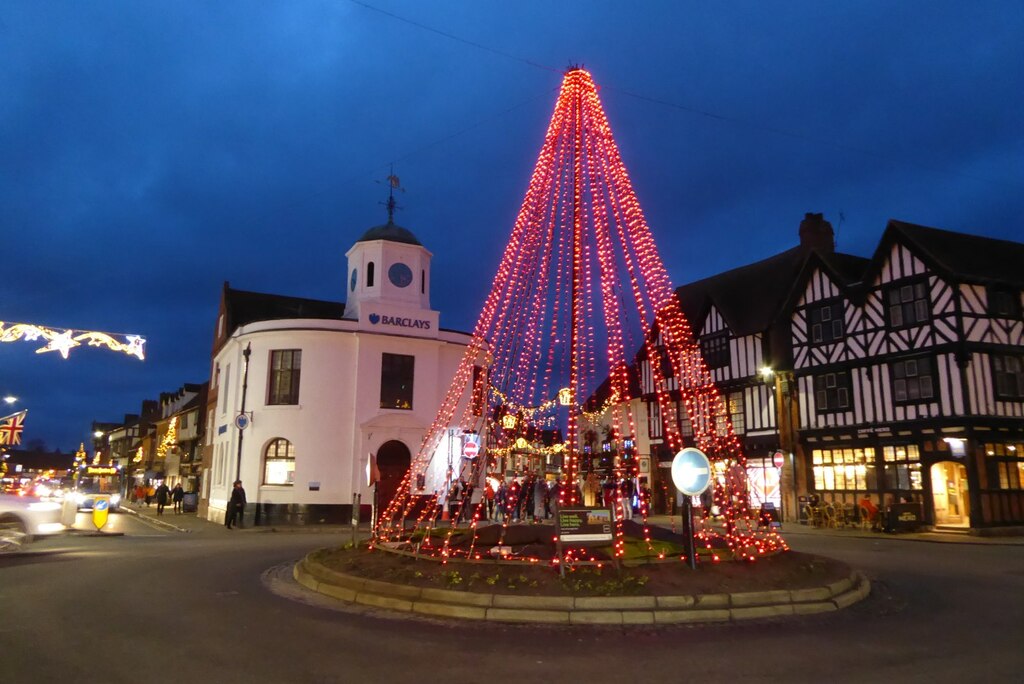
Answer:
(101, 504)
(691, 471)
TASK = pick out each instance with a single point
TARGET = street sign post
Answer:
(691, 474)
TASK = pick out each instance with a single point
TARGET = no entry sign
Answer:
(470, 449)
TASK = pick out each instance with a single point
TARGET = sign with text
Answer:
(584, 525)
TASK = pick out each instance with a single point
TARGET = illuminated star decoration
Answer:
(64, 342)
(580, 309)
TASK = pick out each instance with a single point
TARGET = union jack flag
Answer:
(11, 428)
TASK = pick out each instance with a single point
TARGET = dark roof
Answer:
(749, 297)
(967, 257)
(390, 232)
(244, 307)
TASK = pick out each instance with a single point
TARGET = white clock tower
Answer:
(389, 282)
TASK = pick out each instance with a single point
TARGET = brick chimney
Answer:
(816, 233)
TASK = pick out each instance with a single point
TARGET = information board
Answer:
(591, 526)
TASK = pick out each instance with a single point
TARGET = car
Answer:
(23, 518)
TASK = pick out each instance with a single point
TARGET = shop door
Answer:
(949, 494)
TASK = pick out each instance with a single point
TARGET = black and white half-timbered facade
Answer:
(899, 377)
(739, 322)
(911, 381)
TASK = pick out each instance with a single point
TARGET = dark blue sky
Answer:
(152, 150)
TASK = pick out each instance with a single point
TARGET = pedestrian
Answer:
(140, 494)
(163, 493)
(150, 493)
(489, 498)
(236, 506)
(540, 493)
(177, 496)
(500, 497)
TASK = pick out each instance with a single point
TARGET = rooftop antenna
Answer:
(393, 184)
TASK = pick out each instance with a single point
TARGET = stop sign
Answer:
(470, 449)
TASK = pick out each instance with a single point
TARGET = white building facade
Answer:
(308, 398)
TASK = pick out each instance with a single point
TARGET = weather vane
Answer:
(393, 184)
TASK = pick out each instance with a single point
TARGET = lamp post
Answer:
(245, 386)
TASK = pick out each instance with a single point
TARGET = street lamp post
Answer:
(245, 386)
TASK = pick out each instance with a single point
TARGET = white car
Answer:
(22, 518)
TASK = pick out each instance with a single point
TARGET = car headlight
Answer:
(115, 499)
(79, 498)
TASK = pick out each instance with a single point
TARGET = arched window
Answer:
(369, 274)
(279, 463)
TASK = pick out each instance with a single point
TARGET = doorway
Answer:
(949, 493)
(393, 461)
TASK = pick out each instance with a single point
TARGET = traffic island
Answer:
(667, 593)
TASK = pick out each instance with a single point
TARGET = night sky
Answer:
(152, 150)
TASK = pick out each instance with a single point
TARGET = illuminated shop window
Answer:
(902, 466)
(844, 469)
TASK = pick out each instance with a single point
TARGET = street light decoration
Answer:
(64, 341)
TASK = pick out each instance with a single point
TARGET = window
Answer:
(685, 427)
(396, 376)
(283, 383)
(902, 466)
(224, 389)
(1003, 302)
(827, 323)
(715, 350)
(1005, 464)
(832, 391)
(184, 421)
(844, 469)
(908, 305)
(423, 281)
(369, 274)
(913, 380)
(736, 412)
(1008, 376)
(279, 463)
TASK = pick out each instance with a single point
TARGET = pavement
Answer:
(192, 523)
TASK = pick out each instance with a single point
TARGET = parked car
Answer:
(23, 518)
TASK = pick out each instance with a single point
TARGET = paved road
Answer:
(215, 605)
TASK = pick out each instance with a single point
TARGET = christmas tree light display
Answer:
(581, 300)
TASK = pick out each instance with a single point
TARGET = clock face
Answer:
(352, 282)
(400, 275)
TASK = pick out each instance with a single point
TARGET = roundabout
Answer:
(660, 593)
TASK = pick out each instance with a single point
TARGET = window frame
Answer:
(834, 385)
(913, 372)
(288, 457)
(275, 376)
(1001, 393)
(905, 306)
(387, 383)
(817, 320)
(715, 350)
(995, 293)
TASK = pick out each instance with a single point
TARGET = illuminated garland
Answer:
(64, 342)
(170, 438)
(580, 290)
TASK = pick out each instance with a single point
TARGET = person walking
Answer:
(236, 506)
(177, 496)
(163, 493)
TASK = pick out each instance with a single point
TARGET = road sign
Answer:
(470, 449)
(691, 471)
(100, 510)
(778, 459)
